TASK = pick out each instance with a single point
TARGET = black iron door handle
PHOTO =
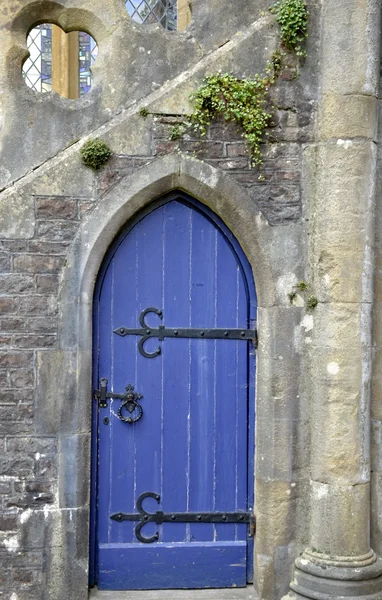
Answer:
(130, 401)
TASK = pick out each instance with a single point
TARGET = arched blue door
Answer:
(173, 474)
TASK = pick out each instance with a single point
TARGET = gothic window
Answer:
(59, 61)
(164, 12)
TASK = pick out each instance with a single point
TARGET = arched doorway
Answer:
(174, 317)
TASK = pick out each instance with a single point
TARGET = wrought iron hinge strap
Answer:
(163, 332)
(160, 517)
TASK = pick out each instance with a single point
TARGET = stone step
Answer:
(247, 593)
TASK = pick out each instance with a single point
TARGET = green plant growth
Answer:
(292, 17)
(311, 302)
(176, 132)
(302, 286)
(246, 101)
(143, 111)
(243, 101)
(95, 153)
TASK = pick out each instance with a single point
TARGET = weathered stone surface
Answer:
(279, 501)
(339, 49)
(342, 172)
(16, 215)
(59, 409)
(111, 26)
(342, 503)
(349, 117)
(307, 216)
(247, 593)
(339, 182)
(75, 491)
(132, 137)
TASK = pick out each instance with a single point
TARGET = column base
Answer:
(320, 577)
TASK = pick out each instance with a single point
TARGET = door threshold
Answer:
(247, 593)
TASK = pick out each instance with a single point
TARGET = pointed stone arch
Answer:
(63, 403)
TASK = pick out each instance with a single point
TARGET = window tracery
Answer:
(39, 67)
(164, 12)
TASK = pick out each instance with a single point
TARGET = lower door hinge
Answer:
(143, 517)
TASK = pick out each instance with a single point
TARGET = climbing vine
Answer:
(241, 100)
(292, 17)
(246, 101)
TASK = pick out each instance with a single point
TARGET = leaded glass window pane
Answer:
(154, 11)
(88, 51)
(37, 69)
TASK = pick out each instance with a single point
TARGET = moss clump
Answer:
(292, 17)
(95, 153)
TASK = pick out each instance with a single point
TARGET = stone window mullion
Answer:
(65, 67)
(184, 14)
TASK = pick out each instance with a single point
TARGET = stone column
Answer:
(338, 562)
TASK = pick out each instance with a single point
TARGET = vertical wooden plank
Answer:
(65, 63)
(148, 434)
(203, 293)
(184, 14)
(251, 419)
(94, 441)
(231, 390)
(241, 398)
(123, 373)
(175, 357)
(105, 370)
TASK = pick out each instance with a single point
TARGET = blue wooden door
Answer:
(191, 447)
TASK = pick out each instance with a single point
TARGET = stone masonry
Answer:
(311, 214)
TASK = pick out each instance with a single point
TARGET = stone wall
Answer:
(30, 284)
(58, 218)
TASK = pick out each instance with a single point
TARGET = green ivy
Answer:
(177, 131)
(246, 101)
(95, 153)
(243, 101)
(292, 17)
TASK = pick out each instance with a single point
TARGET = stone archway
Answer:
(64, 376)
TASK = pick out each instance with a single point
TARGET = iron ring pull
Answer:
(130, 405)
(148, 518)
(130, 401)
(145, 326)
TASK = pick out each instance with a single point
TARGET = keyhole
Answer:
(106, 421)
